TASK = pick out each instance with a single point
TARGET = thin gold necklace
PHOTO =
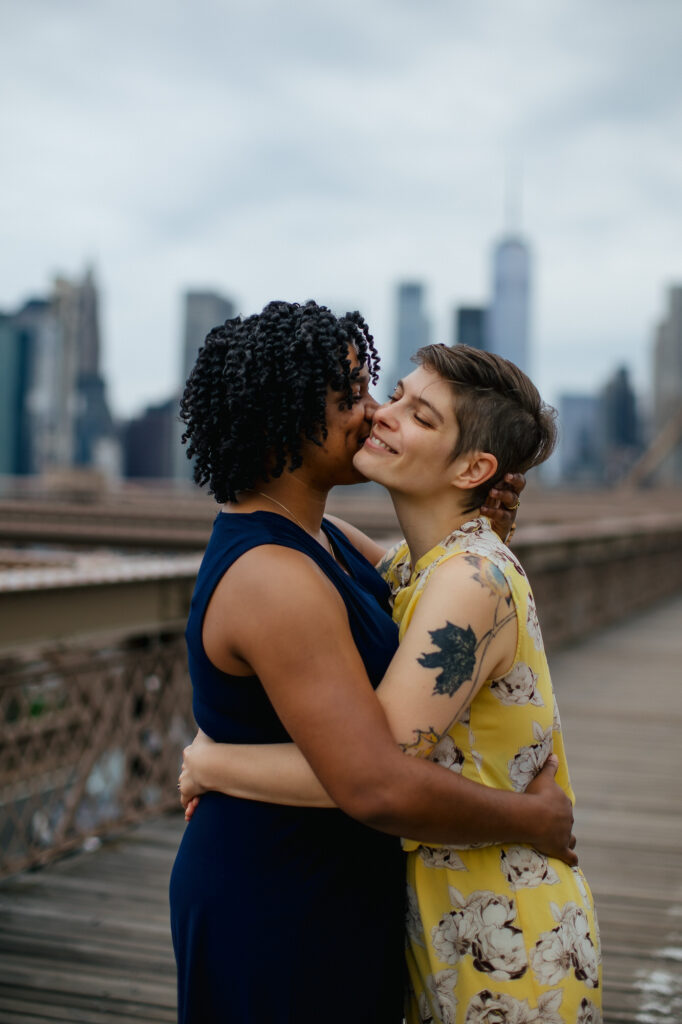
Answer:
(332, 547)
(270, 498)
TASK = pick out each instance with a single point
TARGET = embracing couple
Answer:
(347, 696)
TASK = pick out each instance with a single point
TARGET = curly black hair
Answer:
(259, 388)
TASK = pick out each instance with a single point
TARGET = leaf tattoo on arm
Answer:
(456, 657)
(423, 743)
(460, 652)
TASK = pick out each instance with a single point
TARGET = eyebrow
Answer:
(423, 401)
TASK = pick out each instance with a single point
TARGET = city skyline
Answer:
(331, 154)
(56, 415)
(392, 349)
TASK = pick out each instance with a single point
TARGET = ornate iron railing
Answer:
(89, 739)
(92, 730)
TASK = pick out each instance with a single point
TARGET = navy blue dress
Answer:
(284, 915)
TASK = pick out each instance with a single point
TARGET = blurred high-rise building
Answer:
(599, 435)
(86, 428)
(470, 326)
(148, 442)
(580, 446)
(509, 315)
(55, 412)
(44, 410)
(667, 397)
(202, 311)
(412, 329)
(620, 429)
(15, 368)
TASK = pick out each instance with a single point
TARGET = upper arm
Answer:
(463, 632)
(288, 623)
(372, 551)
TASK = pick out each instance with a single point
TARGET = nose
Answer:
(384, 414)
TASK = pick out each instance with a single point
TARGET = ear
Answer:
(473, 469)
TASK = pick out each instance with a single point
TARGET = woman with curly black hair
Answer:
(292, 913)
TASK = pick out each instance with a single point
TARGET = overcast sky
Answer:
(311, 149)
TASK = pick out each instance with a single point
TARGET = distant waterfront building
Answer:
(203, 311)
(580, 443)
(46, 445)
(412, 329)
(667, 378)
(619, 425)
(86, 427)
(470, 326)
(599, 435)
(509, 315)
(15, 363)
(55, 413)
(148, 442)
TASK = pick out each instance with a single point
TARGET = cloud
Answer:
(327, 150)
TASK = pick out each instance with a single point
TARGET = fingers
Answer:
(505, 496)
(191, 807)
(571, 843)
(516, 481)
(550, 766)
(508, 498)
(495, 510)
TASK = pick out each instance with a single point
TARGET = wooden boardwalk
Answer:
(87, 939)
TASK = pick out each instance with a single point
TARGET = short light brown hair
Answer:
(498, 410)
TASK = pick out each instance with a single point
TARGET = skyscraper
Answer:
(15, 363)
(619, 425)
(148, 439)
(508, 322)
(85, 428)
(203, 312)
(470, 326)
(667, 374)
(412, 329)
(55, 411)
(580, 445)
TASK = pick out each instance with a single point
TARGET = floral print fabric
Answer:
(497, 934)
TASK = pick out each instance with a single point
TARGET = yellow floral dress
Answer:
(497, 934)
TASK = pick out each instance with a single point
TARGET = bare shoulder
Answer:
(470, 574)
(274, 592)
(272, 572)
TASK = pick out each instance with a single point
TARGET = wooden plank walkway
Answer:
(620, 698)
(87, 939)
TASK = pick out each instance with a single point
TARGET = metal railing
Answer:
(89, 739)
(92, 726)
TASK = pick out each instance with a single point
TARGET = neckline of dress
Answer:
(482, 523)
(345, 569)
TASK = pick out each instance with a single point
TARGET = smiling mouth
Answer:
(375, 442)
